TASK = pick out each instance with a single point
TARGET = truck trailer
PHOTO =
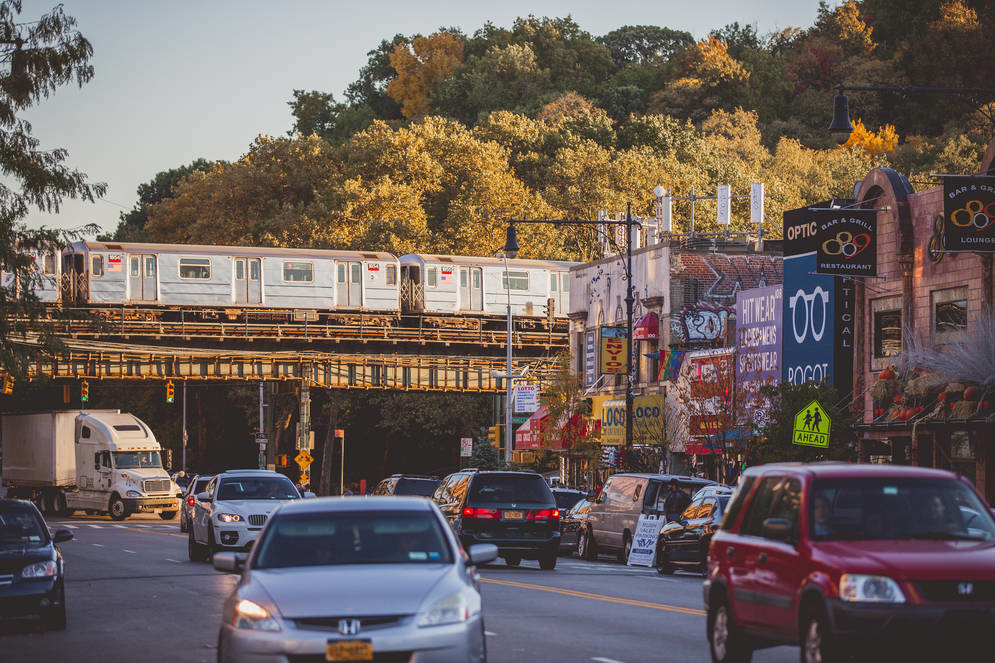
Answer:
(98, 461)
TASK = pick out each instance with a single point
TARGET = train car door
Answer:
(248, 286)
(349, 289)
(142, 277)
(476, 289)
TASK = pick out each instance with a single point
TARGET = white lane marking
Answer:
(490, 633)
(68, 525)
(119, 526)
(97, 545)
(129, 551)
(600, 659)
(96, 526)
(174, 561)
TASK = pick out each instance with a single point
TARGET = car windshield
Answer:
(257, 488)
(509, 488)
(200, 486)
(20, 525)
(566, 500)
(421, 487)
(129, 460)
(897, 508)
(353, 537)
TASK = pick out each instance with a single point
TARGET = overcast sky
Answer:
(179, 80)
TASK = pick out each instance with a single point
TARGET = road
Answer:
(133, 596)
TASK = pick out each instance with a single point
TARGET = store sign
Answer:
(758, 350)
(847, 242)
(590, 356)
(801, 227)
(969, 214)
(614, 348)
(526, 398)
(807, 309)
(706, 424)
(648, 416)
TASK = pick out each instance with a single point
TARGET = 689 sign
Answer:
(847, 242)
(969, 208)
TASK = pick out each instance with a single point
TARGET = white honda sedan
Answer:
(355, 579)
(232, 510)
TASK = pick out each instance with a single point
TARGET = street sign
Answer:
(466, 447)
(305, 478)
(812, 426)
(304, 459)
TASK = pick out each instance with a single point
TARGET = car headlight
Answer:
(39, 570)
(872, 589)
(451, 610)
(133, 493)
(229, 517)
(252, 616)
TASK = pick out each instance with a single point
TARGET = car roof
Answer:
(665, 477)
(250, 473)
(357, 503)
(836, 469)
(11, 501)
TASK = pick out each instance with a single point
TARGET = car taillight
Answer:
(469, 512)
(190, 501)
(544, 514)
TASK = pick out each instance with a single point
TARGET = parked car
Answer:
(231, 511)
(572, 524)
(513, 510)
(402, 587)
(612, 520)
(566, 498)
(196, 485)
(32, 573)
(846, 558)
(407, 484)
(683, 544)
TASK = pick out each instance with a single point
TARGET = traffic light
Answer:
(281, 460)
(170, 392)
(494, 436)
(8, 384)
(84, 391)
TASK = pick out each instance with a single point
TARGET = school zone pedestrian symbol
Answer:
(811, 426)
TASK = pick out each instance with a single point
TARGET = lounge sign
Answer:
(969, 214)
(614, 349)
(847, 242)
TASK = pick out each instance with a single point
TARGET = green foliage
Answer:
(642, 44)
(485, 457)
(786, 401)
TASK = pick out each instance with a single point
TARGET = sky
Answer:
(180, 80)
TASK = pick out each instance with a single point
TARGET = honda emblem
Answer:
(349, 626)
(965, 588)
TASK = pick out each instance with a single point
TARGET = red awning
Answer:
(527, 435)
(647, 329)
(702, 448)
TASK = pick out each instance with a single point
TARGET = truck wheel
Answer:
(116, 508)
(167, 515)
(61, 507)
(623, 554)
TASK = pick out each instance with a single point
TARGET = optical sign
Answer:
(969, 213)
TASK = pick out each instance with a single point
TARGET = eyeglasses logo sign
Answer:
(809, 309)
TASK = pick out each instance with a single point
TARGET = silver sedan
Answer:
(350, 579)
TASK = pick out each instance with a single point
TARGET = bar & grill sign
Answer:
(847, 242)
(969, 214)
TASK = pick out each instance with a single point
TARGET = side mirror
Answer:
(204, 497)
(308, 494)
(227, 562)
(778, 529)
(62, 535)
(482, 553)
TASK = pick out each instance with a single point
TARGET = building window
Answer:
(515, 280)
(96, 265)
(48, 263)
(430, 277)
(391, 274)
(195, 268)
(949, 313)
(887, 333)
(298, 272)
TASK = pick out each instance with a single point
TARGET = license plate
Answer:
(513, 515)
(349, 650)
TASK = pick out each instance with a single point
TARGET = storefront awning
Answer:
(702, 448)
(527, 435)
(647, 329)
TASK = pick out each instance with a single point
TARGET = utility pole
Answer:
(629, 300)
(183, 466)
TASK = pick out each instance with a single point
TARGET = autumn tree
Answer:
(421, 67)
(706, 76)
(40, 57)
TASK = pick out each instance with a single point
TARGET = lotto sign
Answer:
(526, 398)
(969, 214)
(614, 350)
(811, 427)
(643, 551)
(847, 242)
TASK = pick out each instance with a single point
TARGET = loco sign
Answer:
(969, 210)
(847, 242)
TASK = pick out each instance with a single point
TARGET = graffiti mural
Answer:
(701, 323)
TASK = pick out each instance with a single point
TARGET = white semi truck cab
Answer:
(100, 461)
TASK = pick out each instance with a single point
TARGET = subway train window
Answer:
(194, 268)
(298, 272)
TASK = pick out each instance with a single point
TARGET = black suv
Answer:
(407, 484)
(513, 510)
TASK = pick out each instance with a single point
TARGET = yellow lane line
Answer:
(147, 531)
(598, 597)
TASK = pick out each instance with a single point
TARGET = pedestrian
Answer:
(677, 500)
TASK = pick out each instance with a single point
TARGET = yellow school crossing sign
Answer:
(304, 459)
(811, 426)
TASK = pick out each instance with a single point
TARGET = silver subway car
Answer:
(45, 279)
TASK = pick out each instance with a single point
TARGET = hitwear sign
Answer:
(811, 426)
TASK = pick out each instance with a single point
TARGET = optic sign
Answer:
(969, 213)
(847, 242)
(614, 348)
(808, 329)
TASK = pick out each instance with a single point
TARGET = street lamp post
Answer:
(508, 439)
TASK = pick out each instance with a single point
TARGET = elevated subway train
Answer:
(296, 284)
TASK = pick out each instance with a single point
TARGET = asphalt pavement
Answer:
(132, 595)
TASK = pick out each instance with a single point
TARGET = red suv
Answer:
(846, 558)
